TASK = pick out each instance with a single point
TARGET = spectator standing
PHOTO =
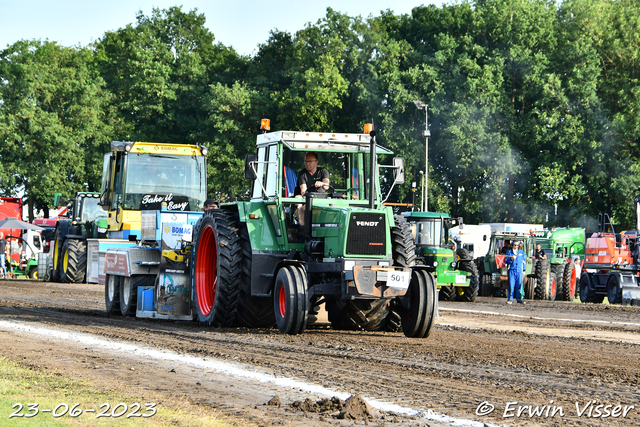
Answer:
(3, 253)
(515, 259)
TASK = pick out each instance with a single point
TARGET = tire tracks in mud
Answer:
(453, 371)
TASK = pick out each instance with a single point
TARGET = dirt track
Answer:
(553, 354)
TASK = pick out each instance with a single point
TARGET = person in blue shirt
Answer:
(515, 259)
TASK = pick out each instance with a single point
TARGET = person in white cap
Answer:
(576, 262)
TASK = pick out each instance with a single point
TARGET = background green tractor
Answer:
(86, 220)
(455, 272)
(560, 246)
(539, 281)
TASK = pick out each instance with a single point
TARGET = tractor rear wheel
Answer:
(129, 292)
(216, 270)
(543, 280)
(73, 261)
(553, 287)
(364, 314)
(290, 300)
(529, 287)
(403, 249)
(112, 294)
(470, 292)
(487, 285)
(569, 280)
(253, 312)
(614, 290)
(422, 305)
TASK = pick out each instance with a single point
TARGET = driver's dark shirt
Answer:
(539, 254)
(304, 177)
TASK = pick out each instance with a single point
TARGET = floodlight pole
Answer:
(426, 133)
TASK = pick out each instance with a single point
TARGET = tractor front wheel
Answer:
(73, 261)
(290, 300)
(470, 292)
(420, 305)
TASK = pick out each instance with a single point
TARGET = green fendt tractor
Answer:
(256, 264)
(560, 246)
(455, 272)
(87, 219)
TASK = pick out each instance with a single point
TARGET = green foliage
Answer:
(533, 104)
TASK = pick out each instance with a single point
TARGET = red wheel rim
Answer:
(207, 270)
(282, 302)
(572, 283)
(553, 287)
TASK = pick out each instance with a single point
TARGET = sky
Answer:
(241, 24)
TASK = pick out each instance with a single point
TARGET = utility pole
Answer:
(426, 133)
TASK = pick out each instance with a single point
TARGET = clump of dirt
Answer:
(354, 408)
(275, 401)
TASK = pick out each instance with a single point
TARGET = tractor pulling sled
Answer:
(253, 263)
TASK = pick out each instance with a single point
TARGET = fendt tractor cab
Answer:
(455, 272)
(352, 253)
(153, 193)
(86, 219)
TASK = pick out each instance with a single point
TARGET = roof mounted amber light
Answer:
(368, 127)
(265, 124)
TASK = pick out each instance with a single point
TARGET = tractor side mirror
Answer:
(398, 170)
(249, 162)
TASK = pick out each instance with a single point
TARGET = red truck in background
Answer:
(48, 234)
(11, 207)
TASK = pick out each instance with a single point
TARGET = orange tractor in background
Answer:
(611, 267)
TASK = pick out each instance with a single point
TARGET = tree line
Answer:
(534, 105)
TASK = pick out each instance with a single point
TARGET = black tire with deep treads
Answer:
(543, 277)
(112, 294)
(586, 293)
(419, 314)
(129, 292)
(403, 249)
(290, 300)
(553, 287)
(558, 269)
(362, 314)
(448, 293)
(614, 290)
(75, 251)
(470, 292)
(253, 312)
(56, 250)
(216, 270)
(569, 276)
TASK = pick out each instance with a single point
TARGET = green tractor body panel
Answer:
(561, 245)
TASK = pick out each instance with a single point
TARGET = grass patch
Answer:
(27, 386)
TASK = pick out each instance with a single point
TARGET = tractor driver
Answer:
(311, 179)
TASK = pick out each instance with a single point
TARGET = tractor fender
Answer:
(75, 237)
(62, 229)
(283, 263)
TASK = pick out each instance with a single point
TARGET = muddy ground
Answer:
(545, 356)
